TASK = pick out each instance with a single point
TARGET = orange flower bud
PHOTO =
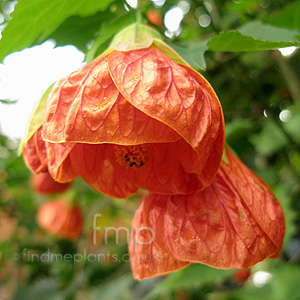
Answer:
(154, 17)
(234, 223)
(43, 183)
(61, 219)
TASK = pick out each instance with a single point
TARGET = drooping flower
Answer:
(134, 118)
(43, 183)
(61, 219)
(234, 223)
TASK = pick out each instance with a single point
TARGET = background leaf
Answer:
(193, 54)
(262, 32)
(289, 17)
(192, 276)
(234, 41)
(33, 21)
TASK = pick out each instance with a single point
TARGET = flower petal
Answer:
(87, 107)
(94, 164)
(147, 259)
(59, 162)
(35, 153)
(98, 166)
(175, 95)
(228, 225)
(258, 196)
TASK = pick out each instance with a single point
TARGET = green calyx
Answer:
(138, 36)
(134, 37)
(36, 120)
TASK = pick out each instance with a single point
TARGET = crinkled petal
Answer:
(258, 196)
(147, 259)
(98, 166)
(175, 95)
(95, 165)
(87, 107)
(235, 223)
(59, 162)
(35, 153)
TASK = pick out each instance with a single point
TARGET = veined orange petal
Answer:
(87, 107)
(175, 95)
(35, 153)
(94, 164)
(234, 223)
(163, 173)
(59, 162)
(258, 196)
(147, 259)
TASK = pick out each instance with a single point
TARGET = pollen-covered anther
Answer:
(132, 156)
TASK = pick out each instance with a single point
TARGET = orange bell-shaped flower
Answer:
(135, 119)
(43, 183)
(61, 219)
(234, 223)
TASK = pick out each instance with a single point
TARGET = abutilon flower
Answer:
(234, 223)
(134, 119)
(139, 117)
(61, 219)
(43, 183)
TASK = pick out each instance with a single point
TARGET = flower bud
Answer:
(43, 183)
(61, 219)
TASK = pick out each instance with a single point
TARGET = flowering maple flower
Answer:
(234, 223)
(135, 118)
(43, 183)
(61, 219)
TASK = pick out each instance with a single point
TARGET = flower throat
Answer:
(132, 156)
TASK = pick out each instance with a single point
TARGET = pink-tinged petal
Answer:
(175, 95)
(227, 225)
(147, 259)
(35, 153)
(162, 172)
(59, 162)
(87, 107)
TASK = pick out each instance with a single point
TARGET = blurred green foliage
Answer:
(259, 91)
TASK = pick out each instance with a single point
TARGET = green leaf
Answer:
(5, 101)
(194, 275)
(34, 20)
(79, 31)
(270, 140)
(284, 284)
(107, 31)
(289, 17)
(293, 123)
(262, 32)
(282, 192)
(119, 288)
(193, 54)
(253, 37)
(245, 6)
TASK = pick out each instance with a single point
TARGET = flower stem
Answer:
(139, 12)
